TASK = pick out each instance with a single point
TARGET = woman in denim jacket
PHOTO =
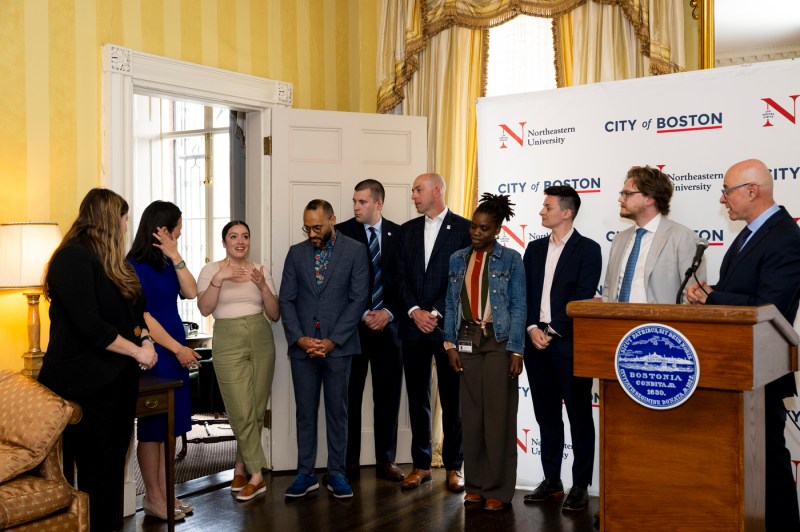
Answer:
(484, 326)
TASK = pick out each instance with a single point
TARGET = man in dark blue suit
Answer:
(428, 242)
(322, 296)
(762, 266)
(380, 346)
(561, 268)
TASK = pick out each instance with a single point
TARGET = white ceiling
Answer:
(756, 24)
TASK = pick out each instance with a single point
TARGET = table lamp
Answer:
(25, 249)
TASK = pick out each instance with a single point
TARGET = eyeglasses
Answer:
(727, 190)
(628, 193)
(312, 229)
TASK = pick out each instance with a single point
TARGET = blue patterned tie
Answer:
(738, 244)
(375, 256)
(630, 267)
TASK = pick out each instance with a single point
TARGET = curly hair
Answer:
(99, 225)
(653, 183)
(497, 206)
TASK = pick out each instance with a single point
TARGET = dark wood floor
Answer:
(376, 505)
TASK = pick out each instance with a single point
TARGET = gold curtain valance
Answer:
(423, 19)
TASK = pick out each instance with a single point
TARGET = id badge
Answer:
(464, 347)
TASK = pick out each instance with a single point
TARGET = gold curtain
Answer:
(432, 62)
(605, 40)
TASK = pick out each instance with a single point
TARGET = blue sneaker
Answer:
(340, 487)
(302, 485)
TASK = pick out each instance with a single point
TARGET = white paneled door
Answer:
(323, 154)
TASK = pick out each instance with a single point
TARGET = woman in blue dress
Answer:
(164, 276)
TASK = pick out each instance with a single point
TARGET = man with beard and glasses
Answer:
(649, 259)
(323, 292)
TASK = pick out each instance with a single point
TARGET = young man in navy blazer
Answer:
(378, 330)
(322, 296)
(424, 262)
(561, 268)
(762, 266)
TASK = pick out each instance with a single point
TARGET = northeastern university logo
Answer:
(657, 366)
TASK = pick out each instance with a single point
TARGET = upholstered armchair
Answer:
(34, 495)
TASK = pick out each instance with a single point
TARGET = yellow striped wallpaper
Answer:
(50, 97)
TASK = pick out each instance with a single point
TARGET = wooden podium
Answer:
(700, 465)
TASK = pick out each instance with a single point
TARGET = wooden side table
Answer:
(157, 398)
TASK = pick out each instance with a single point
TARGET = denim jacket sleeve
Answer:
(517, 305)
(455, 278)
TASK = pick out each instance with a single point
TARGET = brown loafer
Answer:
(470, 498)
(238, 482)
(390, 471)
(494, 505)
(251, 490)
(415, 478)
(455, 481)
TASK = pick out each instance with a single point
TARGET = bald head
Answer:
(749, 184)
(427, 193)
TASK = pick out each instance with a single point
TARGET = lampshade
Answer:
(25, 249)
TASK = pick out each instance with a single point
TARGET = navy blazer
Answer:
(576, 277)
(427, 287)
(390, 240)
(767, 270)
(337, 305)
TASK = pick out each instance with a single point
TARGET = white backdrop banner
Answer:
(693, 126)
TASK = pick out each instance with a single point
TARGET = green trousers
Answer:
(244, 362)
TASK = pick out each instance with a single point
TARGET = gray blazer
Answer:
(670, 255)
(336, 305)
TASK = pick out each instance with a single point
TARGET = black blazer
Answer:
(427, 288)
(576, 277)
(87, 312)
(767, 270)
(390, 241)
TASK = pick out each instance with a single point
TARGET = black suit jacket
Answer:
(390, 241)
(87, 312)
(767, 270)
(576, 277)
(427, 287)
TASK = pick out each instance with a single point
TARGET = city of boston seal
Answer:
(657, 366)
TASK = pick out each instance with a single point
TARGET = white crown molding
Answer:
(756, 54)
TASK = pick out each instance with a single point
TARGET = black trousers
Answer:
(99, 444)
(781, 504)
(418, 353)
(381, 352)
(551, 380)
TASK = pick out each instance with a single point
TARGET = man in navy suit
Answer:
(323, 292)
(380, 346)
(428, 242)
(561, 268)
(762, 266)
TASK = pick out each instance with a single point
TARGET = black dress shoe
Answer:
(577, 499)
(545, 490)
(390, 471)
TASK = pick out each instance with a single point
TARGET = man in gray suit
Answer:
(648, 260)
(323, 292)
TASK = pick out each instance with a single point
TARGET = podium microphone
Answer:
(702, 244)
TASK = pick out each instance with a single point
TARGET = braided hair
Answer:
(497, 206)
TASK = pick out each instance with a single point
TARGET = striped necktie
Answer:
(630, 267)
(377, 278)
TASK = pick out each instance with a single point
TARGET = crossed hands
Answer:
(424, 320)
(315, 347)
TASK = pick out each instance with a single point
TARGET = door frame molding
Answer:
(125, 72)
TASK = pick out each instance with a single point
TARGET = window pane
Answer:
(183, 116)
(221, 117)
(521, 57)
(222, 176)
